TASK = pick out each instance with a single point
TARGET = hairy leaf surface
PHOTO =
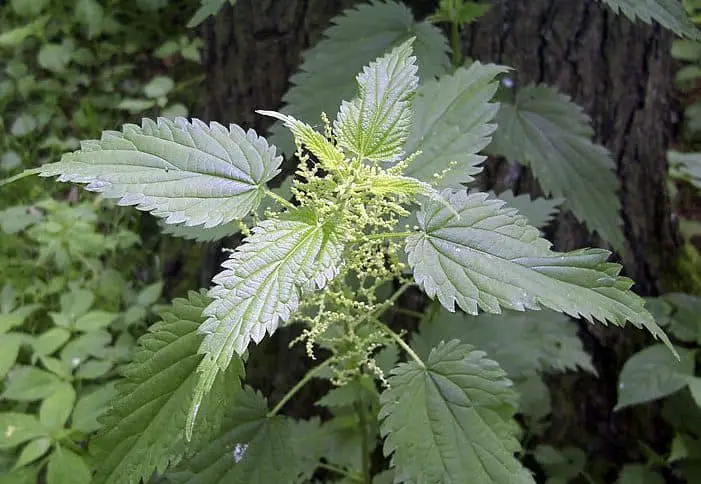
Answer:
(451, 421)
(453, 122)
(187, 173)
(487, 257)
(668, 13)
(375, 124)
(522, 343)
(357, 37)
(145, 427)
(262, 284)
(254, 448)
(548, 132)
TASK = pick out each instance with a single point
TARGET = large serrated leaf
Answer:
(375, 124)
(669, 13)
(144, 428)
(188, 173)
(522, 343)
(262, 284)
(253, 448)
(454, 121)
(451, 421)
(545, 130)
(357, 37)
(487, 257)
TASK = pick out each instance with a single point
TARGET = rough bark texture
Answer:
(250, 52)
(620, 73)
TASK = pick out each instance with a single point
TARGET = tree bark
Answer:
(620, 73)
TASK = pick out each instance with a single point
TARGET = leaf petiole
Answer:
(291, 393)
(279, 199)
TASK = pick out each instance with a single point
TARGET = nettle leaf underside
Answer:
(488, 257)
(545, 130)
(188, 173)
(453, 122)
(144, 430)
(375, 125)
(452, 420)
(262, 284)
(668, 13)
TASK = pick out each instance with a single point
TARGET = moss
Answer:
(685, 274)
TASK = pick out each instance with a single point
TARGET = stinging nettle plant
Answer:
(321, 256)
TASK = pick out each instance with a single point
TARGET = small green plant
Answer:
(377, 205)
(320, 260)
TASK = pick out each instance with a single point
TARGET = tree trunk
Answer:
(620, 73)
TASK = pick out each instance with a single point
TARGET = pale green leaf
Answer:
(375, 125)
(538, 212)
(252, 448)
(454, 119)
(490, 257)
(545, 130)
(356, 37)
(23, 125)
(186, 172)
(158, 86)
(9, 349)
(653, 373)
(521, 342)
(56, 408)
(26, 383)
(144, 430)
(262, 284)
(93, 369)
(638, 474)
(91, 406)
(90, 14)
(451, 421)
(55, 57)
(50, 341)
(487, 257)
(94, 320)
(33, 450)
(668, 13)
(29, 8)
(17, 428)
(65, 467)
(207, 8)
(565, 464)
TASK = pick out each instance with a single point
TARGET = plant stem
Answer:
(388, 235)
(403, 345)
(310, 374)
(409, 312)
(365, 445)
(340, 471)
(455, 44)
(279, 199)
(19, 176)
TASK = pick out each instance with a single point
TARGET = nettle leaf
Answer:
(262, 284)
(144, 428)
(375, 124)
(358, 36)
(188, 173)
(522, 343)
(654, 373)
(487, 257)
(545, 130)
(453, 122)
(452, 420)
(668, 13)
(539, 212)
(252, 448)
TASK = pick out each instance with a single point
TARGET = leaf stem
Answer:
(310, 374)
(455, 44)
(19, 176)
(388, 235)
(403, 344)
(279, 199)
(339, 470)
